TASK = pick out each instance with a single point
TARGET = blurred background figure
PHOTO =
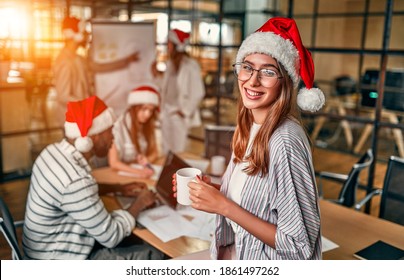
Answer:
(72, 72)
(134, 133)
(182, 90)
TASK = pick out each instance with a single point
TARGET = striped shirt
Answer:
(64, 214)
(286, 197)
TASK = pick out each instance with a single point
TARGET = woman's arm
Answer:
(116, 164)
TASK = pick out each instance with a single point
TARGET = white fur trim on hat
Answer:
(276, 46)
(179, 46)
(310, 99)
(143, 97)
(70, 34)
(100, 123)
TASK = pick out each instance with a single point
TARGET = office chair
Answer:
(392, 193)
(218, 141)
(350, 182)
(8, 228)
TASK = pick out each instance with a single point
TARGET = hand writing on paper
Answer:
(145, 199)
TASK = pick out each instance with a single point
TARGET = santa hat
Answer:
(179, 38)
(280, 38)
(73, 28)
(85, 118)
(144, 94)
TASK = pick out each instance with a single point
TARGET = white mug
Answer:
(217, 165)
(183, 177)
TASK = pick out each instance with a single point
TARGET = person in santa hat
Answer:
(73, 73)
(182, 90)
(267, 204)
(65, 217)
(134, 133)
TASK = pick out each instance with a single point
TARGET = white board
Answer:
(112, 41)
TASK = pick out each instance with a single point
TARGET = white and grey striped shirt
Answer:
(64, 214)
(286, 197)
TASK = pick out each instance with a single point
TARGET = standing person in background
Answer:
(134, 133)
(65, 217)
(73, 73)
(182, 90)
(267, 204)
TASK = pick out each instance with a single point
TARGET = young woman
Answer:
(267, 204)
(134, 133)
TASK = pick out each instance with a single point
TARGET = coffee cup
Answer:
(183, 177)
(217, 165)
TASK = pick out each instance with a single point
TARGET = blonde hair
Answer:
(285, 106)
(147, 129)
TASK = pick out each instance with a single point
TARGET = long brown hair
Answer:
(285, 106)
(147, 129)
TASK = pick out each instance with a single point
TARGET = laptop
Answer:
(164, 183)
(163, 186)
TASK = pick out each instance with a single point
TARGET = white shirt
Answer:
(238, 177)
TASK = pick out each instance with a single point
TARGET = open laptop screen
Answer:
(164, 183)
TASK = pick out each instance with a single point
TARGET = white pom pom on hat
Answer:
(179, 38)
(279, 37)
(85, 118)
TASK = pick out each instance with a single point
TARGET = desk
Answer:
(350, 229)
(353, 230)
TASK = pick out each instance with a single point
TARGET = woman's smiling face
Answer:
(256, 97)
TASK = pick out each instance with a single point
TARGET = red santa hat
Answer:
(179, 38)
(280, 38)
(144, 94)
(73, 28)
(85, 118)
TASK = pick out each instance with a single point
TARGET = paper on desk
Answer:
(204, 222)
(328, 244)
(155, 177)
(165, 223)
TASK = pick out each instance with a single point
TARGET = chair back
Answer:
(218, 140)
(347, 195)
(8, 229)
(392, 199)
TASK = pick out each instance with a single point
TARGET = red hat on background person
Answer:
(144, 94)
(179, 38)
(85, 118)
(73, 28)
(280, 38)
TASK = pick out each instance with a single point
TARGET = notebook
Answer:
(163, 186)
(380, 251)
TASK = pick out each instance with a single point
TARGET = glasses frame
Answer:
(258, 75)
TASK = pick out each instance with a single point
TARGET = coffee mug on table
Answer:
(184, 176)
(217, 165)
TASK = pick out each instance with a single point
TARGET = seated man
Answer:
(65, 217)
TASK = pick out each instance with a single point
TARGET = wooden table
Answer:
(350, 229)
(353, 230)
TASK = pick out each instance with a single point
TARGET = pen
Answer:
(148, 165)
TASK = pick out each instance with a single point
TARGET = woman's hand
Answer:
(205, 178)
(208, 198)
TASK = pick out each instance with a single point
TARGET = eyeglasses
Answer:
(267, 77)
